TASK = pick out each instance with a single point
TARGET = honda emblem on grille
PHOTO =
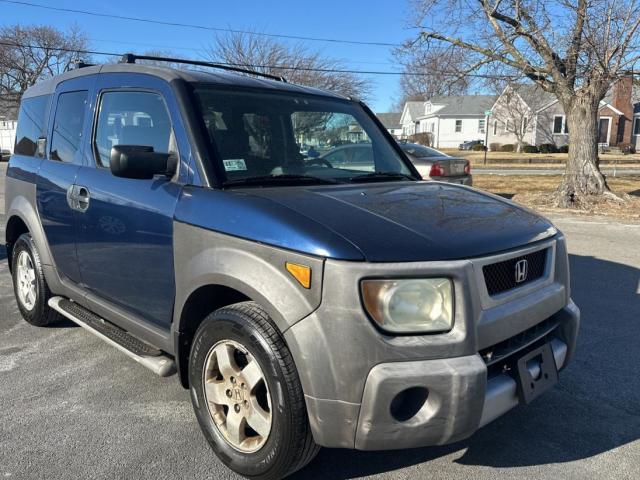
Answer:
(522, 268)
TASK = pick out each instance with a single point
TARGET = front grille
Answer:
(501, 277)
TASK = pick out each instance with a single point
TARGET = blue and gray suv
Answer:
(303, 302)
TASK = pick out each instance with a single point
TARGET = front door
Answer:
(603, 131)
(68, 119)
(125, 248)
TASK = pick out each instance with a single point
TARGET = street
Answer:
(73, 407)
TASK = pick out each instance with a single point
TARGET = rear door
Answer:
(68, 119)
(125, 247)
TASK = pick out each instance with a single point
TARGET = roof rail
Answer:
(79, 64)
(132, 57)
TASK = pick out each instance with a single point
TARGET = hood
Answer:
(414, 221)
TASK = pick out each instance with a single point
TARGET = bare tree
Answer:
(575, 49)
(295, 62)
(29, 54)
(428, 73)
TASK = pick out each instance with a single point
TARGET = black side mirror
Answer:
(141, 162)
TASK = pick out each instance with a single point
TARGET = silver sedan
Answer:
(435, 165)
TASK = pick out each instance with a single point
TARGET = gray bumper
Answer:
(461, 398)
(352, 375)
(459, 401)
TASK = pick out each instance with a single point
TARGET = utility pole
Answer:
(487, 114)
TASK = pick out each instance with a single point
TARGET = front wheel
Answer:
(247, 395)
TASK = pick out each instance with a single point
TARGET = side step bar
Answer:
(143, 353)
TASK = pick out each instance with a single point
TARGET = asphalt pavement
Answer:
(72, 407)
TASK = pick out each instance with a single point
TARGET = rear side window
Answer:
(67, 127)
(31, 124)
(132, 118)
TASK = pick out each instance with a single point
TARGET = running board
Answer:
(143, 353)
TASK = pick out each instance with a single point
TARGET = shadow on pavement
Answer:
(594, 408)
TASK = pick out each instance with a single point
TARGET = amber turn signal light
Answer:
(301, 273)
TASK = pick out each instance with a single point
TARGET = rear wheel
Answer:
(30, 287)
(247, 395)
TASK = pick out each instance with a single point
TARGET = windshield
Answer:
(259, 136)
(420, 151)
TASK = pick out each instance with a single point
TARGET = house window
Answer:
(481, 125)
(525, 122)
(507, 126)
(432, 127)
(560, 125)
(636, 126)
(458, 126)
(495, 127)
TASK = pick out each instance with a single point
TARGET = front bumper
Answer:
(352, 374)
(461, 180)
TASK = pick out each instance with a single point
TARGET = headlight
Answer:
(410, 306)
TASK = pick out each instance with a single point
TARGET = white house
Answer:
(409, 118)
(7, 134)
(450, 120)
(391, 122)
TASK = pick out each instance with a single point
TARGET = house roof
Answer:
(413, 109)
(463, 104)
(390, 120)
(538, 99)
(534, 96)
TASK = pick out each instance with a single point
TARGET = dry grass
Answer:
(546, 159)
(535, 191)
(608, 168)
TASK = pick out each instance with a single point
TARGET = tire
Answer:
(36, 312)
(289, 445)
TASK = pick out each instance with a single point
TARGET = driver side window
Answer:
(132, 118)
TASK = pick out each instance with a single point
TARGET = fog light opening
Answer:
(408, 403)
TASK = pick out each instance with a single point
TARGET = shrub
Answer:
(530, 149)
(547, 148)
(479, 148)
(508, 147)
(495, 147)
(424, 138)
(563, 149)
(626, 148)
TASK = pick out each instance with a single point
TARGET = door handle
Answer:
(78, 198)
(83, 198)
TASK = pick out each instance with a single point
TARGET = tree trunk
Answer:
(582, 177)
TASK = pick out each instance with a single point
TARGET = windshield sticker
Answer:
(234, 165)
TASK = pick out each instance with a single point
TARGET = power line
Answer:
(281, 67)
(199, 27)
(203, 50)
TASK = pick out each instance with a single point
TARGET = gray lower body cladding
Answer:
(353, 375)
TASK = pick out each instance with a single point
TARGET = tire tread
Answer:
(306, 448)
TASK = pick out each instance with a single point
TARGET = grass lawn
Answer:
(535, 159)
(534, 191)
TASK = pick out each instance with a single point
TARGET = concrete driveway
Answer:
(72, 407)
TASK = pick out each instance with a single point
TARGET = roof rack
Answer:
(132, 57)
(79, 64)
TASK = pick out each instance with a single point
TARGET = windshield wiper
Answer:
(284, 179)
(381, 176)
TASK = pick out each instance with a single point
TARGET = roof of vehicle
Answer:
(171, 74)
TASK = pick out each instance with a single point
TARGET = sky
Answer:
(370, 21)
